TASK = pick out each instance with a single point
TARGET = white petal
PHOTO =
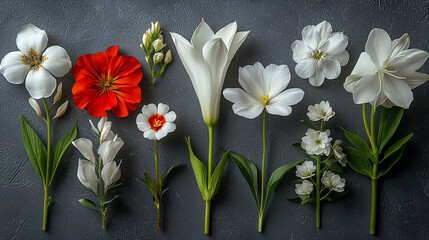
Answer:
(324, 29)
(378, 46)
(142, 122)
(409, 60)
(351, 82)
(227, 33)
(13, 69)
(236, 42)
(170, 116)
(94, 128)
(160, 134)
(331, 69)
(33, 37)
(251, 79)
(105, 131)
(366, 89)
(310, 36)
(306, 67)
(415, 79)
(149, 110)
(400, 44)
(201, 35)
(215, 54)
(101, 123)
(110, 174)
(84, 146)
(317, 79)
(40, 83)
(244, 105)
(276, 79)
(109, 149)
(336, 44)
(300, 50)
(398, 91)
(342, 58)
(280, 105)
(86, 175)
(364, 65)
(149, 134)
(57, 61)
(169, 127)
(162, 108)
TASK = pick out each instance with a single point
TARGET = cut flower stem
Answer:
(209, 176)
(261, 208)
(48, 166)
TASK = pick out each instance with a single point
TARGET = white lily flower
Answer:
(338, 153)
(333, 181)
(320, 111)
(156, 123)
(206, 60)
(86, 175)
(386, 72)
(263, 89)
(34, 64)
(84, 146)
(306, 170)
(320, 54)
(103, 129)
(317, 142)
(108, 149)
(305, 188)
(110, 174)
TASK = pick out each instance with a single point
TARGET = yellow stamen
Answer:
(157, 123)
(33, 59)
(317, 55)
(264, 99)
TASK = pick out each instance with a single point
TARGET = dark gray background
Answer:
(92, 26)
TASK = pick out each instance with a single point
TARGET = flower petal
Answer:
(324, 29)
(86, 175)
(367, 89)
(109, 149)
(142, 122)
(415, 79)
(310, 36)
(378, 46)
(31, 37)
(169, 127)
(227, 34)
(409, 60)
(397, 91)
(215, 54)
(276, 79)
(280, 105)
(162, 108)
(300, 50)
(170, 116)
(84, 146)
(317, 79)
(306, 68)
(331, 69)
(160, 134)
(12, 67)
(149, 110)
(342, 58)
(150, 134)
(244, 105)
(236, 42)
(201, 35)
(400, 44)
(351, 82)
(40, 83)
(336, 44)
(251, 79)
(364, 65)
(57, 61)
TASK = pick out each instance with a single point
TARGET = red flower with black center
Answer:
(107, 81)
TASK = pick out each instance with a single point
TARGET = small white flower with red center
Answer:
(156, 123)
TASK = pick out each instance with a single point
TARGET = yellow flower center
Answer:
(33, 59)
(106, 82)
(317, 54)
(264, 99)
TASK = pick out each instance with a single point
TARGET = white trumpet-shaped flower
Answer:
(86, 175)
(264, 88)
(317, 142)
(386, 72)
(156, 123)
(306, 170)
(108, 149)
(33, 64)
(305, 188)
(333, 181)
(103, 129)
(110, 174)
(206, 59)
(84, 146)
(320, 111)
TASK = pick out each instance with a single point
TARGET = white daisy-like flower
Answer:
(333, 181)
(305, 188)
(35, 65)
(338, 153)
(320, 111)
(317, 142)
(320, 54)
(306, 170)
(156, 123)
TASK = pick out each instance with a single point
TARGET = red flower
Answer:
(107, 81)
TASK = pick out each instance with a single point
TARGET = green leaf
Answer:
(36, 151)
(298, 146)
(217, 176)
(248, 171)
(396, 146)
(89, 203)
(332, 196)
(149, 183)
(295, 200)
(275, 178)
(360, 144)
(200, 171)
(60, 148)
(389, 122)
(106, 203)
(165, 175)
(358, 161)
(308, 124)
(387, 164)
(162, 193)
(335, 167)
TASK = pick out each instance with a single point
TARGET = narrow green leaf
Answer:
(360, 144)
(60, 148)
(200, 171)
(308, 124)
(387, 164)
(162, 193)
(396, 146)
(298, 146)
(149, 183)
(358, 161)
(217, 176)
(106, 203)
(248, 171)
(36, 151)
(389, 122)
(165, 175)
(332, 196)
(88, 203)
(275, 178)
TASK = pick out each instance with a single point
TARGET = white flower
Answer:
(108, 149)
(86, 175)
(158, 45)
(306, 170)
(338, 153)
(320, 54)
(157, 57)
(84, 146)
(34, 64)
(156, 123)
(206, 60)
(317, 142)
(305, 188)
(333, 181)
(103, 129)
(320, 111)
(386, 72)
(263, 89)
(110, 174)
(168, 57)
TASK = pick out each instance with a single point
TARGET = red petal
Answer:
(125, 67)
(112, 51)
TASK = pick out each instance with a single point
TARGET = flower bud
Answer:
(147, 59)
(145, 40)
(158, 45)
(35, 106)
(157, 57)
(168, 57)
(160, 37)
(154, 28)
(61, 110)
(59, 93)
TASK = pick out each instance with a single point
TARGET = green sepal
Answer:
(387, 164)
(88, 203)
(358, 161)
(106, 203)
(389, 122)
(308, 124)
(165, 175)
(396, 146)
(332, 196)
(200, 171)
(217, 176)
(298, 146)
(360, 144)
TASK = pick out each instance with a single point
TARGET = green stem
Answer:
(48, 166)
(318, 193)
(373, 201)
(207, 221)
(365, 121)
(264, 144)
(373, 140)
(103, 220)
(158, 206)
(209, 178)
(45, 209)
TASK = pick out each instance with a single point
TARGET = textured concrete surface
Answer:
(92, 26)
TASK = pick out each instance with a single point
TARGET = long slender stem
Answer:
(373, 201)
(157, 186)
(209, 178)
(318, 193)
(373, 140)
(103, 220)
(365, 122)
(48, 166)
(207, 220)
(264, 145)
(45, 208)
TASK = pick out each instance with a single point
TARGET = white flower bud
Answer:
(61, 110)
(158, 45)
(59, 93)
(168, 57)
(145, 40)
(154, 28)
(147, 59)
(35, 106)
(160, 37)
(157, 57)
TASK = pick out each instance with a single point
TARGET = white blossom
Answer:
(320, 111)
(338, 153)
(333, 181)
(305, 188)
(306, 170)
(156, 123)
(317, 142)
